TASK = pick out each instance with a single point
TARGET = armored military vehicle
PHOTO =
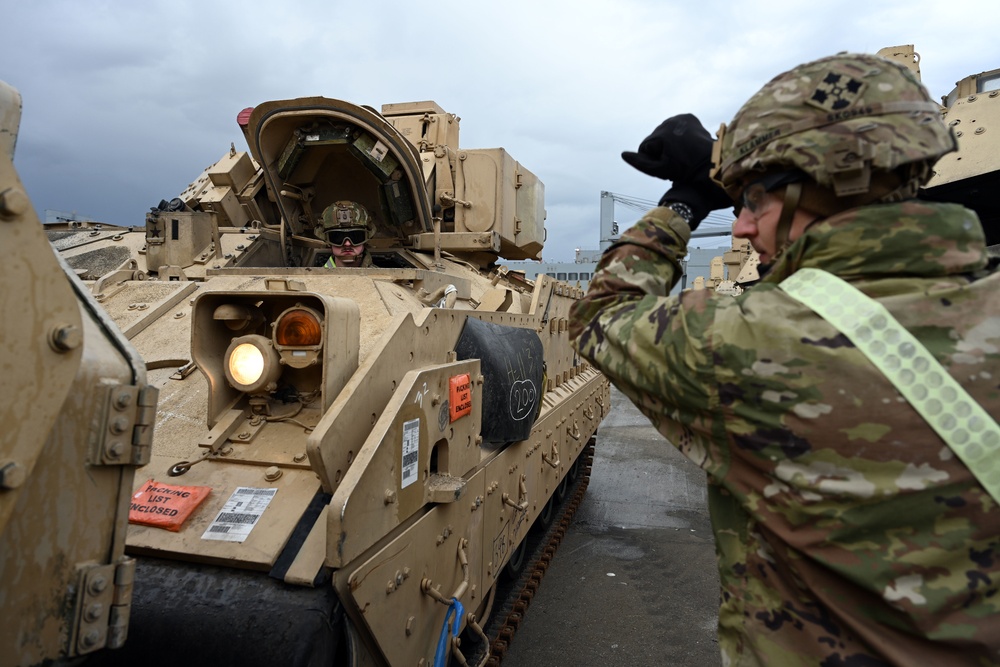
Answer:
(348, 454)
(78, 417)
(971, 175)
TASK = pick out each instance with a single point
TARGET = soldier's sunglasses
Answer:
(752, 196)
(338, 237)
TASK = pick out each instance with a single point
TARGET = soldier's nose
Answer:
(745, 225)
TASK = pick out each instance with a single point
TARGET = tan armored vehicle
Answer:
(350, 447)
(77, 419)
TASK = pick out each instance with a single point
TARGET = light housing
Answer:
(298, 327)
(298, 335)
(252, 365)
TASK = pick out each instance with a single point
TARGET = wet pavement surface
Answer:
(634, 581)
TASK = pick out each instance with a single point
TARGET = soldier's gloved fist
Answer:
(679, 149)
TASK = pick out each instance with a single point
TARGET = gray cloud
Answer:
(125, 103)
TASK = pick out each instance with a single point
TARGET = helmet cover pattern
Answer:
(345, 215)
(836, 119)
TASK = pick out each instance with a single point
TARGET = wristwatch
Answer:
(681, 209)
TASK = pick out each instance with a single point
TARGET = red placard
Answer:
(165, 505)
(459, 396)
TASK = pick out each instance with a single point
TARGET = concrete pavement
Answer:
(634, 581)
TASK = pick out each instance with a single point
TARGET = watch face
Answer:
(682, 210)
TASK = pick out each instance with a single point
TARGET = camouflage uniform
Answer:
(847, 532)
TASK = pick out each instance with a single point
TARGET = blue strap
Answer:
(441, 657)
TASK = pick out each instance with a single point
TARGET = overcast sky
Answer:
(126, 102)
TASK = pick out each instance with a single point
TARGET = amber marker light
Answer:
(298, 327)
(252, 364)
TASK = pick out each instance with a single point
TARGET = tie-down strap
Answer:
(961, 422)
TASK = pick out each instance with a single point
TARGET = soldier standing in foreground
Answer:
(843, 407)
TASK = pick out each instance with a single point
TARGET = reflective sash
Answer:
(961, 422)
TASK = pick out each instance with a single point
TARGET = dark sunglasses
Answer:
(337, 237)
(753, 194)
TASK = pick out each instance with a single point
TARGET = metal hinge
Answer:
(126, 434)
(105, 602)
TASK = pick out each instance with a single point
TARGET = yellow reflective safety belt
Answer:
(961, 422)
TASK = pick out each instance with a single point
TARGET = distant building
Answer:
(582, 269)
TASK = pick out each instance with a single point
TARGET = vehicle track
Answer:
(513, 597)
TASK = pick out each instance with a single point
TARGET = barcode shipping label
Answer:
(239, 515)
(411, 452)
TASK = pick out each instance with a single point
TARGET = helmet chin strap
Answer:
(793, 195)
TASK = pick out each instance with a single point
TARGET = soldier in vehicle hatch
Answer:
(347, 227)
(843, 408)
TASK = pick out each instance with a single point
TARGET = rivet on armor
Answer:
(12, 475)
(272, 473)
(65, 338)
(13, 203)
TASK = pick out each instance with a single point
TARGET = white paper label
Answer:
(379, 151)
(239, 515)
(411, 451)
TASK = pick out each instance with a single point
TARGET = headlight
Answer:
(252, 364)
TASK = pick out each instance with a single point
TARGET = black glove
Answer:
(680, 150)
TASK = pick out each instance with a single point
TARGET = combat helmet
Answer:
(345, 220)
(860, 127)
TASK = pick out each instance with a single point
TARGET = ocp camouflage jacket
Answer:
(847, 532)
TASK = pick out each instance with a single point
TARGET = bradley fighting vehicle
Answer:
(969, 176)
(77, 417)
(345, 461)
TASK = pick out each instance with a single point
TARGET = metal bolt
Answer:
(272, 473)
(97, 585)
(123, 400)
(409, 627)
(66, 337)
(90, 639)
(119, 425)
(12, 475)
(299, 458)
(13, 203)
(390, 496)
(116, 450)
(399, 578)
(93, 612)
